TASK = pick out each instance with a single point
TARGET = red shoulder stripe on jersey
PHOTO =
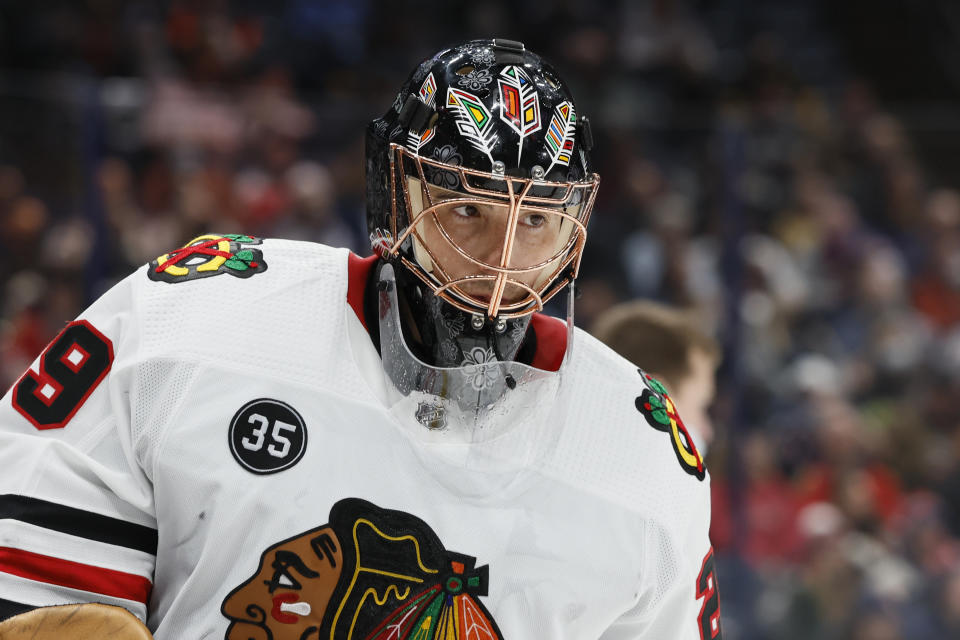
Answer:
(74, 575)
(358, 272)
(551, 342)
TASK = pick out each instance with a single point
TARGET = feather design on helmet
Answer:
(474, 121)
(427, 95)
(519, 106)
(560, 135)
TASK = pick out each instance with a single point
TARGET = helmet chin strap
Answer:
(444, 336)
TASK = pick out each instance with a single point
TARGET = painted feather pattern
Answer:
(428, 95)
(474, 120)
(519, 106)
(563, 127)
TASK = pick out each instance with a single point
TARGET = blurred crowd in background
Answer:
(750, 172)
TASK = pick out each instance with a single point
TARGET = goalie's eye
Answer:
(466, 211)
(533, 220)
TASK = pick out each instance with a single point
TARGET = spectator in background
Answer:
(667, 344)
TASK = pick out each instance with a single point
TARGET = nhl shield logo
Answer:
(432, 415)
(209, 255)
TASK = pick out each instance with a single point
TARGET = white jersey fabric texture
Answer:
(157, 493)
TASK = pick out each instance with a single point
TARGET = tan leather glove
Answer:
(75, 622)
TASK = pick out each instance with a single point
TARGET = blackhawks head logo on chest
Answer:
(368, 574)
(210, 255)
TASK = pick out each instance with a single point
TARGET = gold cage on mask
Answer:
(513, 242)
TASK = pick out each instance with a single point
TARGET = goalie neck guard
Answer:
(494, 416)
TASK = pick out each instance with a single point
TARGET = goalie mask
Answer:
(479, 189)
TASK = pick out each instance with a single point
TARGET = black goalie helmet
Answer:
(479, 180)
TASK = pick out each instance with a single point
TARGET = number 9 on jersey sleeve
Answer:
(70, 368)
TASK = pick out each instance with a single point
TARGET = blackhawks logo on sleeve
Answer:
(210, 255)
(661, 414)
(368, 574)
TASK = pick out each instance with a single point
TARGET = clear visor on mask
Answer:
(489, 243)
(495, 415)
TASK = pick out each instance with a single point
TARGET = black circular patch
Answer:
(267, 436)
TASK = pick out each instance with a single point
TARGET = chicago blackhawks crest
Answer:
(210, 255)
(369, 574)
(661, 414)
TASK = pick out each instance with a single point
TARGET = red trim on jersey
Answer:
(551, 332)
(74, 575)
(551, 342)
(358, 272)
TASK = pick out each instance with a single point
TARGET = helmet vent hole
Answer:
(465, 70)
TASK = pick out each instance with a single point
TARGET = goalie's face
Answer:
(468, 239)
(491, 244)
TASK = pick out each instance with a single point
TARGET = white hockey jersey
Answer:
(215, 455)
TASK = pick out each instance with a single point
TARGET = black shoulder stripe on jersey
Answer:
(9, 608)
(77, 522)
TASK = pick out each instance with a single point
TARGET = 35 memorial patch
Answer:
(209, 255)
(657, 407)
(369, 574)
(267, 436)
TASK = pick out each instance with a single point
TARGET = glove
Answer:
(75, 622)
